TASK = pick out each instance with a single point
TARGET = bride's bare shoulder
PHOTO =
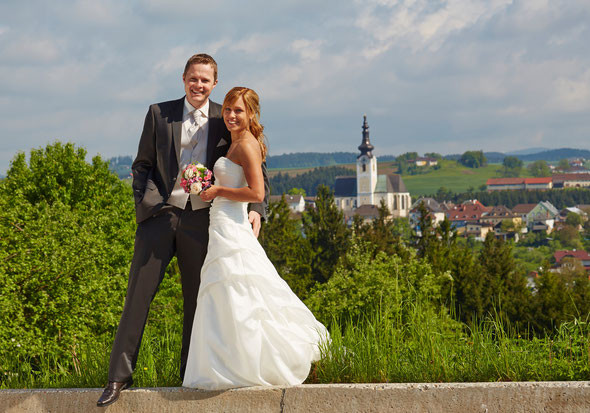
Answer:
(248, 149)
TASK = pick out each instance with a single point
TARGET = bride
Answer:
(249, 329)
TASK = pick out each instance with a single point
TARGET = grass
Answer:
(451, 175)
(376, 349)
(379, 351)
(87, 365)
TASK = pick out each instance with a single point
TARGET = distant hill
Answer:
(556, 155)
(527, 151)
(549, 155)
(315, 159)
(121, 165)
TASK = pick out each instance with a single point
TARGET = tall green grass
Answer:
(378, 348)
(87, 365)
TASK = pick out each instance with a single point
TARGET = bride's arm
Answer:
(248, 155)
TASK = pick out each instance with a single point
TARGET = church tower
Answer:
(366, 170)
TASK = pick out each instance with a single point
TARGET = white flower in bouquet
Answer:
(196, 188)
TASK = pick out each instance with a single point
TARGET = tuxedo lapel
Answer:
(177, 128)
(216, 129)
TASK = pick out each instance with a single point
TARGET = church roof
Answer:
(392, 183)
(365, 146)
(345, 186)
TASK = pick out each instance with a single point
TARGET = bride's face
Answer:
(235, 116)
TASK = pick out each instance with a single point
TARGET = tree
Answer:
(408, 156)
(473, 159)
(551, 301)
(504, 290)
(434, 155)
(367, 281)
(511, 166)
(569, 237)
(285, 246)
(563, 165)
(66, 234)
(539, 169)
(573, 219)
(326, 231)
(384, 233)
(443, 194)
(297, 191)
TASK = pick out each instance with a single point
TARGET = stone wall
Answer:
(558, 397)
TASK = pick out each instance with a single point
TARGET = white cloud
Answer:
(307, 49)
(419, 24)
(433, 75)
(572, 94)
(30, 49)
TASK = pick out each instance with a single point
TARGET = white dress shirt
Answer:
(190, 154)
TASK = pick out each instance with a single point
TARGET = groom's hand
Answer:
(254, 218)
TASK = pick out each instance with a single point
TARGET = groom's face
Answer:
(199, 80)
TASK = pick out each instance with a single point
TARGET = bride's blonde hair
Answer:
(252, 103)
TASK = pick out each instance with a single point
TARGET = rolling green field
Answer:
(451, 175)
(454, 177)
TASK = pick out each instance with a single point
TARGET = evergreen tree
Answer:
(326, 231)
(503, 289)
(383, 233)
(551, 301)
(285, 246)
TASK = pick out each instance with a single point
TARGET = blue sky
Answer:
(442, 76)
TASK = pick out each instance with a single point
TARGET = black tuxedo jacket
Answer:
(155, 168)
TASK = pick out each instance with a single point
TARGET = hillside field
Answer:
(451, 175)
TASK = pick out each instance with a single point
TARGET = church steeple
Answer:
(365, 146)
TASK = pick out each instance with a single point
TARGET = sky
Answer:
(431, 76)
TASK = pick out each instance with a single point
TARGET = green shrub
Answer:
(364, 281)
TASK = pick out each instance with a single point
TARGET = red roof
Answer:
(571, 177)
(544, 180)
(523, 208)
(518, 181)
(467, 211)
(505, 181)
(581, 255)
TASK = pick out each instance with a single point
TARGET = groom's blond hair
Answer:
(203, 59)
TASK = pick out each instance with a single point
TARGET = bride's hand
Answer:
(209, 193)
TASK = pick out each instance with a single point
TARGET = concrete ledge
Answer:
(562, 397)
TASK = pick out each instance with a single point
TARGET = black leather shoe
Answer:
(112, 391)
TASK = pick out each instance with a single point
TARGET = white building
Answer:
(296, 203)
(369, 188)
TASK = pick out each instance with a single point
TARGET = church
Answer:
(367, 189)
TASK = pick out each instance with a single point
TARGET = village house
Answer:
(435, 211)
(503, 184)
(296, 203)
(500, 213)
(542, 217)
(370, 188)
(569, 180)
(478, 230)
(581, 256)
(467, 212)
(424, 161)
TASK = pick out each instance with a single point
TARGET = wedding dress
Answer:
(249, 328)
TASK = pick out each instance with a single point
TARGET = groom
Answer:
(170, 222)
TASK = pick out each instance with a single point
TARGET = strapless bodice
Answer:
(231, 175)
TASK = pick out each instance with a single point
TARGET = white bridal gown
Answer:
(249, 329)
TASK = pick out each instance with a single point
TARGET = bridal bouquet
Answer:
(195, 178)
